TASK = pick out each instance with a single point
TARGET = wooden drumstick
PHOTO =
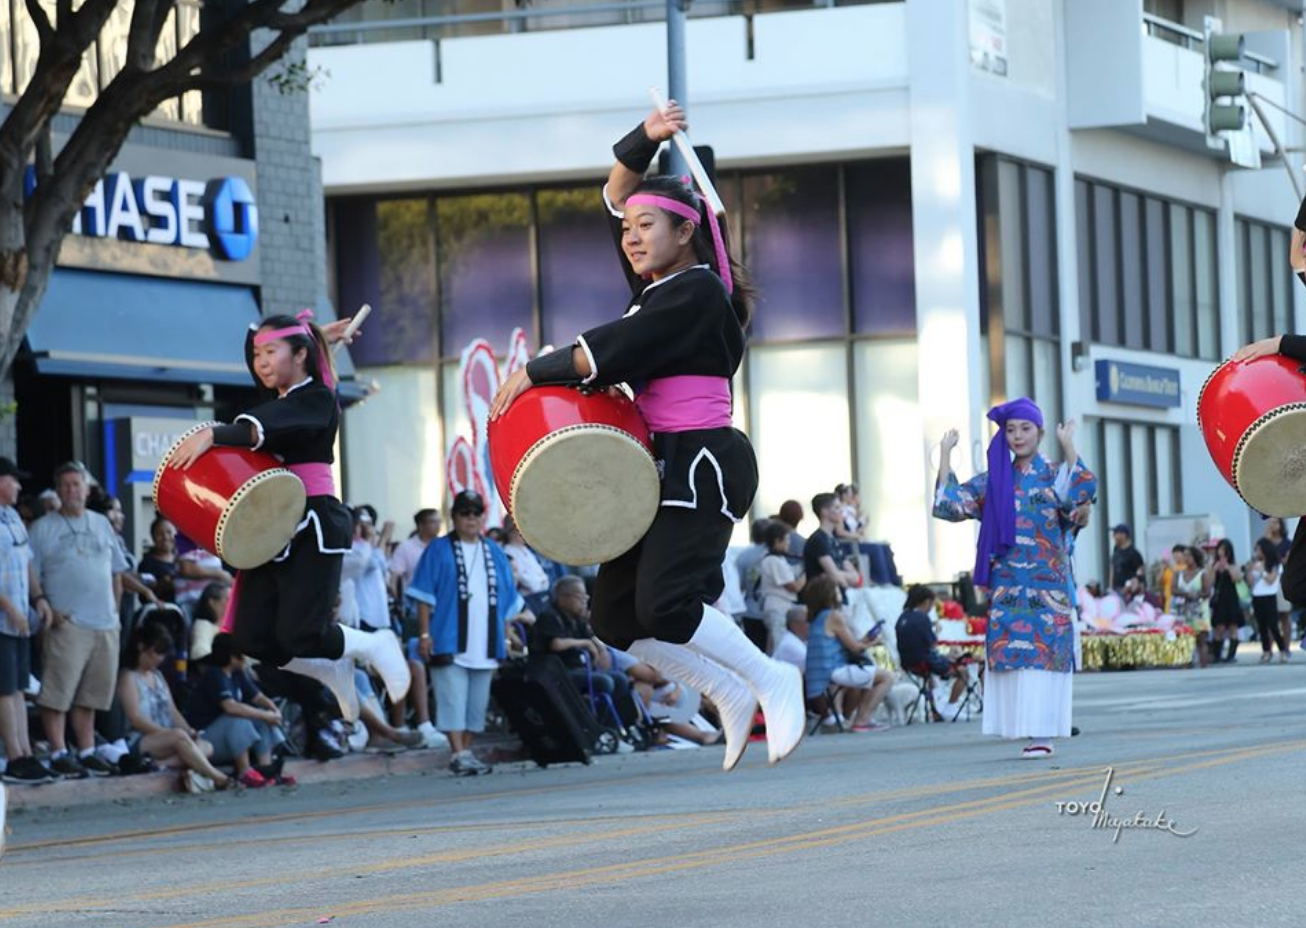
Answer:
(696, 168)
(354, 325)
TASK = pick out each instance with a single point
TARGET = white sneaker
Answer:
(381, 651)
(432, 737)
(337, 676)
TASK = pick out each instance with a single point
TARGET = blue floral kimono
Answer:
(1031, 625)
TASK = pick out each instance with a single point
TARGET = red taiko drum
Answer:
(242, 505)
(576, 471)
(1253, 417)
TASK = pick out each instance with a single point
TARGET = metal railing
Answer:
(1180, 35)
(603, 13)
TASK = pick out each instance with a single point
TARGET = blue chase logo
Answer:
(219, 216)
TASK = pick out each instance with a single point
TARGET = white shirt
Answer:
(531, 577)
(478, 610)
(404, 561)
(776, 571)
(365, 565)
(1265, 587)
(792, 650)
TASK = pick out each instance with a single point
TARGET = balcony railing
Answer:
(407, 20)
(1176, 34)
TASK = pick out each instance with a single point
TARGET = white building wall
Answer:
(822, 85)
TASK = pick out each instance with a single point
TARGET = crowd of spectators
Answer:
(127, 669)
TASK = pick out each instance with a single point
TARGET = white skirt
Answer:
(1027, 703)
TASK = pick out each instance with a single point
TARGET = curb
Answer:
(362, 766)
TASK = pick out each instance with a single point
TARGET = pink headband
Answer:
(304, 316)
(690, 214)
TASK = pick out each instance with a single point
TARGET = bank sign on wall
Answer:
(217, 215)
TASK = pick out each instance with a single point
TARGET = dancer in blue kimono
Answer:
(1026, 506)
(465, 595)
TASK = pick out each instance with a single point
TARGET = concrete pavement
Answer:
(922, 826)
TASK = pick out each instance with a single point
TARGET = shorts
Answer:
(15, 664)
(854, 676)
(462, 696)
(79, 667)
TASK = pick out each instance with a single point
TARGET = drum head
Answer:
(1269, 466)
(585, 494)
(261, 519)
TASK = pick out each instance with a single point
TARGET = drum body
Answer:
(1253, 417)
(576, 471)
(242, 505)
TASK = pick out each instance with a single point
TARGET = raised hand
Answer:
(1066, 437)
(949, 441)
(1260, 349)
(663, 124)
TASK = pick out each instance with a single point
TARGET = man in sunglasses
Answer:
(465, 595)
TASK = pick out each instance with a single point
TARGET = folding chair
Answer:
(973, 701)
(922, 677)
(826, 705)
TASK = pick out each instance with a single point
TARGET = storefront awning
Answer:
(128, 327)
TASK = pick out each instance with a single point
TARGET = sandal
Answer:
(1037, 750)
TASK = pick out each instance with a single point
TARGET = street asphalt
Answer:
(927, 825)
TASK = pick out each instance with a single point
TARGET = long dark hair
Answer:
(704, 249)
(148, 636)
(1268, 553)
(315, 348)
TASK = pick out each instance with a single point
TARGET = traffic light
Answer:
(1225, 82)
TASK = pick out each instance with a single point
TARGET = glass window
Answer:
(358, 273)
(1131, 270)
(1280, 282)
(1011, 247)
(1207, 276)
(1181, 280)
(798, 420)
(1167, 484)
(1106, 324)
(893, 486)
(880, 246)
(1258, 266)
(581, 281)
(394, 440)
(793, 250)
(1041, 244)
(1158, 296)
(1045, 356)
(1020, 376)
(1084, 249)
(486, 289)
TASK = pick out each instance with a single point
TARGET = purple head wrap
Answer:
(998, 519)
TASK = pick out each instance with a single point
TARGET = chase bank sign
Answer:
(219, 215)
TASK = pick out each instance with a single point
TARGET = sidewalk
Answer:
(363, 766)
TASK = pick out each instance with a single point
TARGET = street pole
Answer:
(676, 71)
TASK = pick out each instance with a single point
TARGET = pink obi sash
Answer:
(317, 478)
(685, 403)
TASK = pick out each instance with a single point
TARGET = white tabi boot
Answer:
(380, 650)
(777, 685)
(734, 701)
(337, 676)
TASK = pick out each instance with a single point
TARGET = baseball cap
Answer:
(468, 501)
(1123, 529)
(9, 469)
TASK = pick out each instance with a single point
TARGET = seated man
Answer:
(563, 629)
(835, 656)
(792, 647)
(917, 642)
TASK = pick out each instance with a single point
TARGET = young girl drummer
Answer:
(283, 610)
(678, 345)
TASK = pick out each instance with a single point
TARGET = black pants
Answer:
(1293, 579)
(286, 609)
(1266, 610)
(657, 589)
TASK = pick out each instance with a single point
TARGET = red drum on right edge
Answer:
(1253, 417)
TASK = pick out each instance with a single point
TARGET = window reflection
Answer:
(581, 281)
(485, 269)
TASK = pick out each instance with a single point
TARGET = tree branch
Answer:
(44, 30)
